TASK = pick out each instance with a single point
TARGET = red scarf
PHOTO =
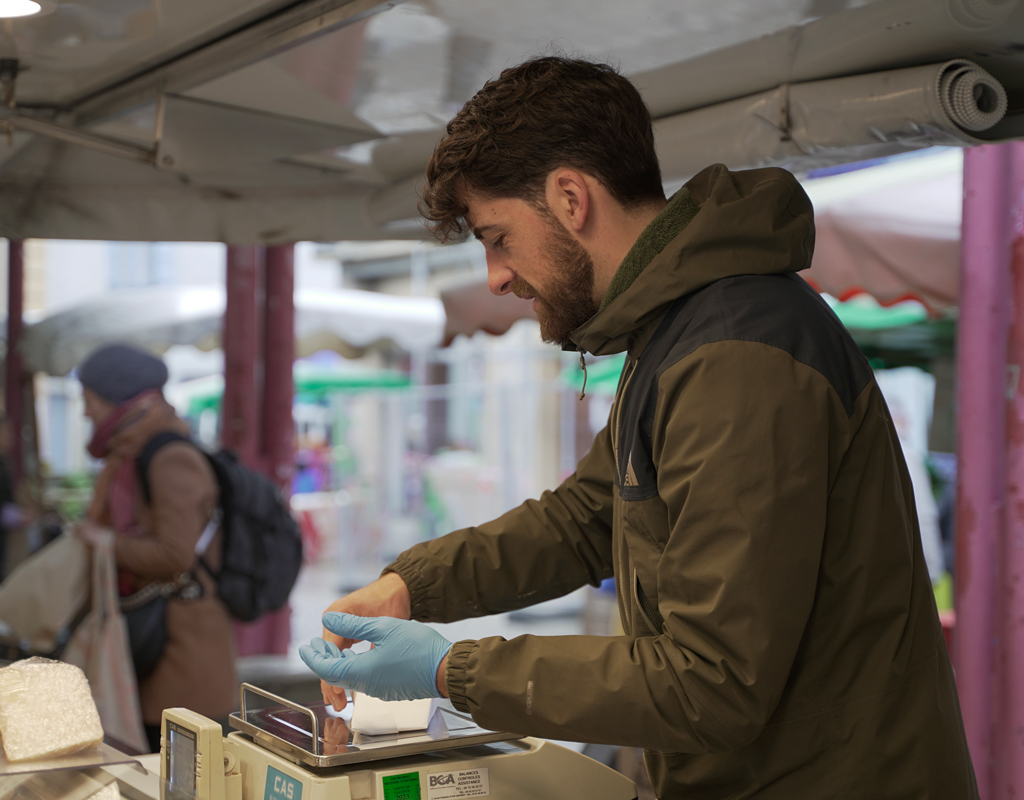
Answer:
(114, 498)
(118, 440)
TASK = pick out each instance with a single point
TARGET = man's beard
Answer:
(569, 301)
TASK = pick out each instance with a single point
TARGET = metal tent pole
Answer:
(271, 634)
(1009, 703)
(259, 365)
(278, 360)
(982, 351)
(239, 423)
(14, 396)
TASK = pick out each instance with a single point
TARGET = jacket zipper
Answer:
(616, 419)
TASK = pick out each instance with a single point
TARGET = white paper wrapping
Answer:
(378, 717)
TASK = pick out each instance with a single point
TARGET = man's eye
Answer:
(499, 242)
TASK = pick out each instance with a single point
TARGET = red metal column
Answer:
(240, 425)
(1009, 777)
(983, 328)
(278, 359)
(14, 390)
(260, 366)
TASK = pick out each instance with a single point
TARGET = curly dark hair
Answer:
(543, 114)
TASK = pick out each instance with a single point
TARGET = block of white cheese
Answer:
(378, 717)
(46, 709)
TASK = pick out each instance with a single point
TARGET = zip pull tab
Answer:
(583, 366)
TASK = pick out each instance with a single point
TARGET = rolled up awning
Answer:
(827, 122)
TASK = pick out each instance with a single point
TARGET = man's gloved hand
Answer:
(401, 666)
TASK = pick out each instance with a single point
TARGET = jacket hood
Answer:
(754, 222)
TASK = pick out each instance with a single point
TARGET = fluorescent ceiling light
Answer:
(19, 8)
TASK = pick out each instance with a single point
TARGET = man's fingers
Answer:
(329, 668)
(334, 696)
(326, 649)
(349, 626)
(342, 643)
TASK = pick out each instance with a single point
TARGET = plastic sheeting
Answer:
(405, 71)
(157, 318)
(821, 123)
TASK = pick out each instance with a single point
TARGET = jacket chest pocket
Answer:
(644, 536)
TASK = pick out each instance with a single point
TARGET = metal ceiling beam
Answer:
(102, 144)
(282, 31)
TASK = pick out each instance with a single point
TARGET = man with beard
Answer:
(749, 493)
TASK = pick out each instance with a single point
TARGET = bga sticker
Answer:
(458, 784)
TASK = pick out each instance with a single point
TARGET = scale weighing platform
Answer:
(286, 751)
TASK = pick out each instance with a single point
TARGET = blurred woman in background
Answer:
(155, 542)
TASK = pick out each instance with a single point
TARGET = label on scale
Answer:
(458, 784)
(281, 787)
(402, 787)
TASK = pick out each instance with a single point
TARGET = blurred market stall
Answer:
(349, 321)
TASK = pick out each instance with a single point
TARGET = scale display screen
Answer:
(181, 759)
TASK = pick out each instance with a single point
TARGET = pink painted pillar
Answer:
(14, 390)
(239, 421)
(1009, 723)
(258, 355)
(278, 359)
(272, 632)
(982, 401)
(239, 415)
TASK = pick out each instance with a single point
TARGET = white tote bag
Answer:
(100, 648)
(45, 595)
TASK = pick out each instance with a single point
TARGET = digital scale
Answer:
(286, 751)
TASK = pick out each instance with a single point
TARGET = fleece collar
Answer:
(721, 224)
(665, 227)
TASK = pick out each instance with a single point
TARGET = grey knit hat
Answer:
(119, 372)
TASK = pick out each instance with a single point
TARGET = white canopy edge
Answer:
(158, 317)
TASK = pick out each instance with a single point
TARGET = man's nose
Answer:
(499, 276)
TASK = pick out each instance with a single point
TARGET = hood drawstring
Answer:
(583, 366)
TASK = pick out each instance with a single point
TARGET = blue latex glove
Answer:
(401, 666)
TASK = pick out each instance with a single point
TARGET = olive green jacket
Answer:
(750, 497)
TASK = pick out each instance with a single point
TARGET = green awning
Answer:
(313, 382)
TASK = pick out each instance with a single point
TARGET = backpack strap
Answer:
(145, 456)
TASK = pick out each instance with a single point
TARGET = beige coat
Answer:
(197, 670)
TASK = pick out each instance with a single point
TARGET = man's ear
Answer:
(568, 196)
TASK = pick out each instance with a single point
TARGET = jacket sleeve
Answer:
(184, 492)
(541, 550)
(741, 442)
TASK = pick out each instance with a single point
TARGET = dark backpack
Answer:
(262, 545)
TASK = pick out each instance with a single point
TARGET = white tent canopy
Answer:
(891, 230)
(158, 317)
